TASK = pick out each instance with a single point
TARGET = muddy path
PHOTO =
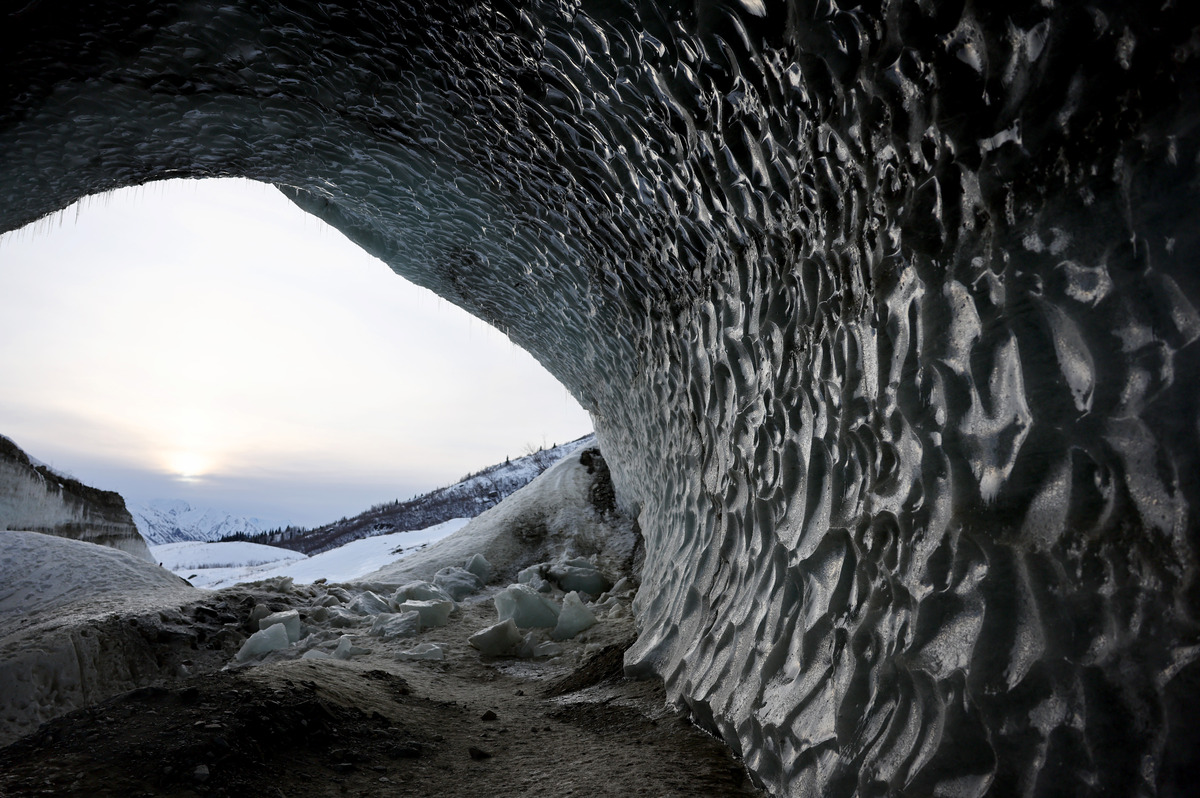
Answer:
(569, 725)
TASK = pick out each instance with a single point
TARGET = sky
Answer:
(207, 340)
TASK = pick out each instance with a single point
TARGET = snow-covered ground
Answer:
(218, 565)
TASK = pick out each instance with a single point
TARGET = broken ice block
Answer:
(479, 566)
(579, 574)
(290, 619)
(525, 606)
(573, 619)
(424, 651)
(458, 582)
(497, 640)
(273, 638)
(421, 591)
(396, 624)
(433, 613)
(368, 603)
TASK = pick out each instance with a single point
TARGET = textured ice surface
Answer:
(885, 312)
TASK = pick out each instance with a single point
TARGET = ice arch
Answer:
(885, 312)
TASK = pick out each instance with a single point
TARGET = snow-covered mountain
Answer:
(175, 521)
(467, 498)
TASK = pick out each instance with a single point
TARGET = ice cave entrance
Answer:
(208, 335)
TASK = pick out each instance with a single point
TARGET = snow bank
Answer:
(553, 518)
(219, 565)
(53, 593)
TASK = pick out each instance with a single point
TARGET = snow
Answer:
(51, 589)
(218, 565)
(174, 521)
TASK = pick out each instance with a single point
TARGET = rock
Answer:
(478, 753)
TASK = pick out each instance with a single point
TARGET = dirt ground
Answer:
(375, 726)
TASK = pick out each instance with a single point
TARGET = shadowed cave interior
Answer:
(885, 313)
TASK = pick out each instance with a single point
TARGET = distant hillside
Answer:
(177, 521)
(465, 499)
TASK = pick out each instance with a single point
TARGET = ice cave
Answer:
(884, 310)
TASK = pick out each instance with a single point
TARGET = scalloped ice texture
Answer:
(885, 315)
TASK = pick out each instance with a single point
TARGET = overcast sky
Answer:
(209, 341)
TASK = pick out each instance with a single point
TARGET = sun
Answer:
(189, 465)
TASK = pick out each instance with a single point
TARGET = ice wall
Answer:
(885, 312)
(36, 499)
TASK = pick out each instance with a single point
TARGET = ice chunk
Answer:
(346, 649)
(396, 624)
(290, 619)
(479, 566)
(423, 651)
(579, 574)
(573, 618)
(535, 577)
(342, 618)
(259, 612)
(368, 603)
(458, 582)
(421, 591)
(532, 647)
(433, 613)
(271, 639)
(498, 640)
(314, 653)
(525, 606)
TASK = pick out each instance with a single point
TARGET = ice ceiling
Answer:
(885, 312)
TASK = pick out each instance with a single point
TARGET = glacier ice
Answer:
(578, 574)
(525, 606)
(369, 603)
(478, 565)
(431, 613)
(419, 591)
(573, 618)
(456, 582)
(403, 623)
(289, 619)
(498, 640)
(428, 652)
(273, 638)
(885, 313)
